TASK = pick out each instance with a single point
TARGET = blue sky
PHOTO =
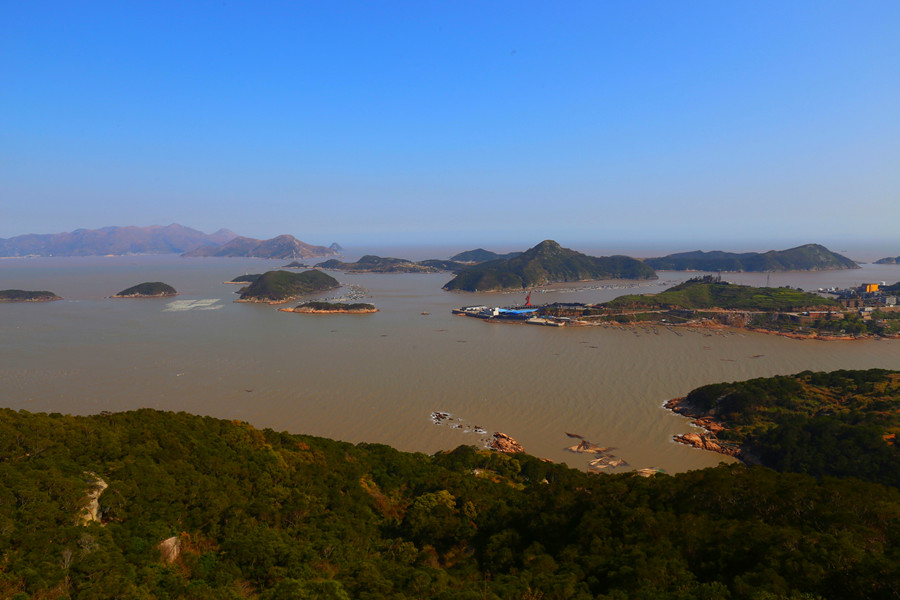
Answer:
(700, 124)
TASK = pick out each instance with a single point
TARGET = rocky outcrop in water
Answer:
(503, 443)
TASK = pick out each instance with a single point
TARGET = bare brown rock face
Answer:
(707, 442)
(504, 443)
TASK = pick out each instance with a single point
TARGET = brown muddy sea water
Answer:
(378, 377)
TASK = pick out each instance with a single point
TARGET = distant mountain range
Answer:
(282, 247)
(810, 257)
(548, 262)
(891, 260)
(156, 239)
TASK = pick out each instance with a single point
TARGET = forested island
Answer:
(148, 289)
(809, 257)
(891, 260)
(377, 264)
(276, 287)
(27, 296)
(546, 263)
(841, 424)
(320, 307)
(149, 504)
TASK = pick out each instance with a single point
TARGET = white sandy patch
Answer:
(182, 305)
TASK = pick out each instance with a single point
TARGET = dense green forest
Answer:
(27, 296)
(269, 515)
(809, 257)
(282, 286)
(148, 289)
(709, 292)
(548, 262)
(842, 423)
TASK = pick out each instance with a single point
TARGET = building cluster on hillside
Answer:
(865, 296)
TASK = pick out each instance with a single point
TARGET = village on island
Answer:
(832, 313)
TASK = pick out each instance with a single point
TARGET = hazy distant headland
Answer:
(281, 247)
(809, 257)
(156, 239)
(891, 260)
(548, 262)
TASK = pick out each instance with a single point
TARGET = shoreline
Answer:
(300, 309)
(705, 441)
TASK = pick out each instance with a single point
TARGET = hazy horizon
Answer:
(703, 125)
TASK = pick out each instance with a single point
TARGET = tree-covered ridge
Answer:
(148, 289)
(377, 264)
(27, 296)
(709, 292)
(283, 286)
(546, 263)
(480, 255)
(249, 278)
(842, 423)
(268, 515)
(890, 260)
(809, 257)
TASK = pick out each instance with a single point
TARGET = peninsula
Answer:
(810, 257)
(548, 262)
(317, 307)
(27, 296)
(891, 260)
(277, 287)
(148, 289)
(843, 423)
(708, 300)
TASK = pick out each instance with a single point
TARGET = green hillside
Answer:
(282, 286)
(809, 257)
(708, 292)
(546, 263)
(267, 515)
(842, 423)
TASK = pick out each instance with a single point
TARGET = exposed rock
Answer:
(90, 513)
(170, 548)
(504, 443)
(708, 442)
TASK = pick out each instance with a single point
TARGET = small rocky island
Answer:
(27, 296)
(277, 287)
(148, 289)
(318, 307)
